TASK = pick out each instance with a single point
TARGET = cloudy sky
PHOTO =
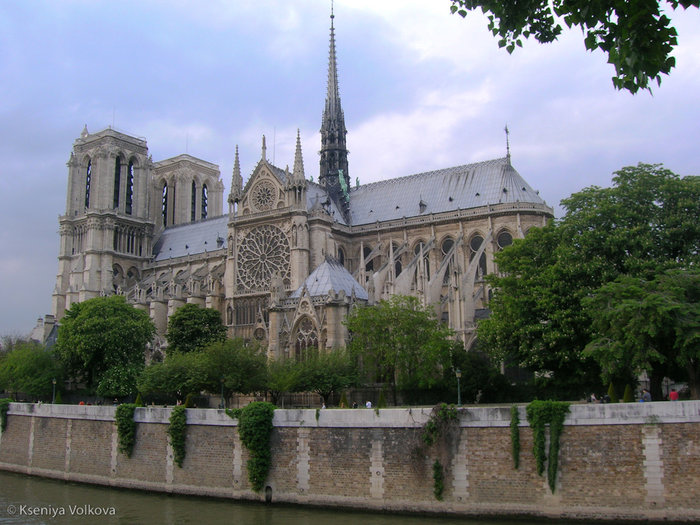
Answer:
(421, 90)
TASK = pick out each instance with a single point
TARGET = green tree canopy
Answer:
(99, 334)
(30, 369)
(399, 342)
(235, 365)
(283, 376)
(651, 326)
(637, 36)
(192, 327)
(177, 376)
(648, 222)
(327, 373)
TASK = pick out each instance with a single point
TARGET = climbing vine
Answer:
(255, 428)
(438, 480)
(539, 414)
(178, 433)
(515, 435)
(126, 427)
(440, 417)
(4, 407)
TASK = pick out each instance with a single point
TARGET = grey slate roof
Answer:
(330, 274)
(461, 187)
(192, 238)
(316, 196)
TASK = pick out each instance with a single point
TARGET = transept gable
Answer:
(264, 190)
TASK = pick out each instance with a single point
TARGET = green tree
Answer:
(399, 342)
(235, 365)
(99, 334)
(30, 369)
(648, 222)
(637, 37)
(327, 373)
(192, 328)
(651, 326)
(283, 376)
(177, 376)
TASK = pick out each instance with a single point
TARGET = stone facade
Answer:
(291, 257)
(616, 462)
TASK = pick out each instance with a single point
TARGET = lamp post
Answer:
(222, 393)
(53, 394)
(458, 373)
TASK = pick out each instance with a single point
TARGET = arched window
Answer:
(504, 239)
(369, 265)
(129, 188)
(426, 259)
(204, 201)
(164, 204)
(446, 246)
(474, 245)
(88, 179)
(306, 339)
(117, 181)
(397, 261)
(193, 203)
(341, 256)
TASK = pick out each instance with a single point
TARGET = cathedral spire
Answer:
(298, 161)
(236, 182)
(264, 149)
(334, 175)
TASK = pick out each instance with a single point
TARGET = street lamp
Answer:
(221, 405)
(458, 373)
(53, 395)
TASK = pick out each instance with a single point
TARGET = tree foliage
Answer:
(192, 328)
(651, 326)
(177, 376)
(30, 369)
(399, 342)
(235, 365)
(101, 333)
(647, 223)
(637, 36)
(327, 373)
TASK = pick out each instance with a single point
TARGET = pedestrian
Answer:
(646, 396)
(368, 404)
(673, 395)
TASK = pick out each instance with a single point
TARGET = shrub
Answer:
(628, 396)
(612, 394)
(4, 407)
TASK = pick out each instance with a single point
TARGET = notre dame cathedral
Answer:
(289, 258)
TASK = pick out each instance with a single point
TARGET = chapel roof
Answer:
(331, 275)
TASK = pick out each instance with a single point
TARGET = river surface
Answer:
(33, 500)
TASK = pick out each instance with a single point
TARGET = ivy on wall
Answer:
(177, 430)
(438, 480)
(515, 435)
(441, 418)
(255, 428)
(4, 407)
(126, 427)
(540, 414)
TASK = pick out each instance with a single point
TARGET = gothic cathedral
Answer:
(290, 258)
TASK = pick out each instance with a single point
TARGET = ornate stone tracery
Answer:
(263, 195)
(263, 252)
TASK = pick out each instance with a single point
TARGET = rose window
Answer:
(263, 253)
(263, 195)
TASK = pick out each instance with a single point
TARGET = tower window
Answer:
(164, 204)
(117, 181)
(193, 203)
(88, 177)
(129, 188)
(204, 201)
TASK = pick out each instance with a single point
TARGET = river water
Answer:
(33, 500)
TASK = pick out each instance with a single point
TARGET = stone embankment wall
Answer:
(616, 462)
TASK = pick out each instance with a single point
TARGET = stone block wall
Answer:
(617, 462)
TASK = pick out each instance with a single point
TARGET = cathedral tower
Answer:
(334, 175)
